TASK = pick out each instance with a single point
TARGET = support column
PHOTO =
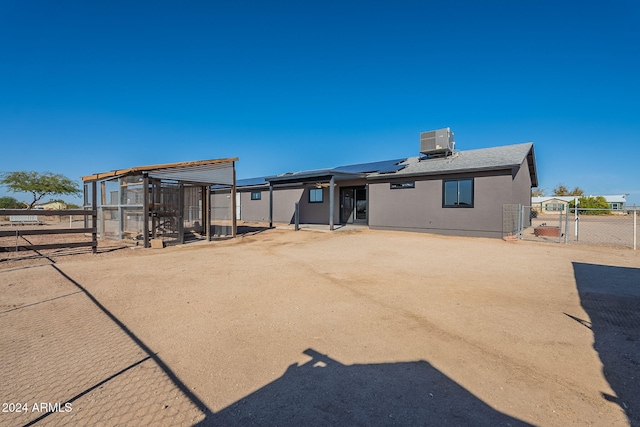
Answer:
(234, 226)
(207, 216)
(270, 205)
(180, 213)
(366, 187)
(331, 202)
(94, 216)
(145, 209)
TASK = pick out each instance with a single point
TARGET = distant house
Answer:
(51, 205)
(551, 204)
(554, 204)
(439, 191)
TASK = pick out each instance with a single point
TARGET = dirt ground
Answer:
(314, 328)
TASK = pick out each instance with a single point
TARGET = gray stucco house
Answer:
(440, 191)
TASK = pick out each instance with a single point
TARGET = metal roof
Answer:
(216, 171)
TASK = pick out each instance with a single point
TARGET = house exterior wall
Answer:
(420, 208)
(314, 213)
(284, 200)
(254, 210)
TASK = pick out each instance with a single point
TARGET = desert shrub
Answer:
(596, 205)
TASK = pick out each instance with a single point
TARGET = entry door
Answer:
(346, 205)
(361, 205)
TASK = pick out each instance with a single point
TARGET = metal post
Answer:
(296, 215)
(366, 187)
(154, 195)
(145, 209)
(331, 202)
(577, 219)
(234, 223)
(207, 213)
(120, 210)
(94, 217)
(270, 205)
(635, 228)
(519, 221)
(560, 226)
(566, 226)
(180, 213)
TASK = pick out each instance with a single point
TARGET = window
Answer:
(400, 185)
(615, 206)
(256, 195)
(554, 207)
(315, 195)
(457, 193)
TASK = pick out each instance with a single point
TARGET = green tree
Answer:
(538, 192)
(561, 190)
(594, 205)
(39, 185)
(10, 203)
(577, 191)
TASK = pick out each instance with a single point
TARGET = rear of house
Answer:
(439, 191)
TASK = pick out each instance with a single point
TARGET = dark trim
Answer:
(321, 192)
(403, 185)
(502, 170)
(458, 180)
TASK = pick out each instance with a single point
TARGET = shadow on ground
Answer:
(248, 230)
(326, 392)
(611, 297)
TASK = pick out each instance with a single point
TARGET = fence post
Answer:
(577, 219)
(635, 228)
(566, 226)
(297, 216)
(519, 221)
(94, 217)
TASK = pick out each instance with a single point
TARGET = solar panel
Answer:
(387, 165)
(250, 181)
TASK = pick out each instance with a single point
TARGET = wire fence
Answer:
(572, 226)
(46, 231)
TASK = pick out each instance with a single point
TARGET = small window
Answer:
(554, 207)
(256, 195)
(315, 195)
(457, 193)
(401, 185)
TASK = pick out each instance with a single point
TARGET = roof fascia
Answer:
(139, 169)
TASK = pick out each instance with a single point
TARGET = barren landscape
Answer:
(355, 327)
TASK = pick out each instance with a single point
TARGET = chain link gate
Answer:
(570, 225)
(524, 223)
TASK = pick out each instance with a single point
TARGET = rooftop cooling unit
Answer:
(437, 142)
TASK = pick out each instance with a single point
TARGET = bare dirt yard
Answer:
(313, 328)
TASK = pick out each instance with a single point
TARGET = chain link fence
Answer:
(572, 226)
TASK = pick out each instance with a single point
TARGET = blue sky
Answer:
(88, 87)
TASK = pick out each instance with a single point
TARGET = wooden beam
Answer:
(17, 248)
(43, 212)
(21, 232)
